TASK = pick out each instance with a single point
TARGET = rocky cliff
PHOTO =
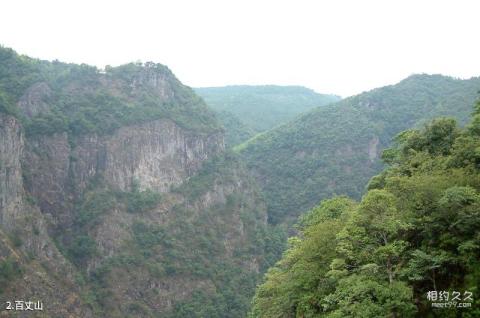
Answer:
(117, 198)
(31, 267)
(11, 149)
(156, 155)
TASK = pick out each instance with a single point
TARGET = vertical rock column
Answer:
(11, 187)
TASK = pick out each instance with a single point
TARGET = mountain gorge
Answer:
(247, 110)
(123, 193)
(118, 198)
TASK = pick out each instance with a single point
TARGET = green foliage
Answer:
(98, 200)
(246, 110)
(416, 230)
(95, 203)
(84, 100)
(236, 131)
(6, 105)
(217, 246)
(273, 241)
(296, 285)
(82, 248)
(213, 169)
(137, 308)
(334, 149)
(10, 269)
(148, 236)
(364, 296)
(17, 73)
(141, 201)
(329, 209)
(16, 238)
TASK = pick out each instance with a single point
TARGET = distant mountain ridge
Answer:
(335, 149)
(246, 110)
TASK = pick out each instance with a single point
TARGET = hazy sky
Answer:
(332, 46)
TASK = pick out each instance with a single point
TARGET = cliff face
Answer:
(154, 155)
(39, 271)
(117, 198)
(11, 148)
(199, 240)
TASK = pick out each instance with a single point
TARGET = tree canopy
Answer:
(335, 149)
(415, 231)
(246, 110)
(81, 99)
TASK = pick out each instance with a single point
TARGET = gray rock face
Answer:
(11, 187)
(46, 165)
(24, 237)
(234, 234)
(159, 81)
(372, 148)
(34, 100)
(155, 155)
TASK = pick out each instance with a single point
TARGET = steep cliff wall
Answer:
(11, 148)
(39, 272)
(203, 237)
(188, 254)
(153, 155)
(117, 198)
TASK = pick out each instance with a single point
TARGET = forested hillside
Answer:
(412, 241)
(335, 149)
(52, 97)
(236, 131)
(120, 198)
(247, 110)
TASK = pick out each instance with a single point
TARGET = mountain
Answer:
(118, 199)
(335, 149)
(236, 131)
(410, 243)
(259, 108)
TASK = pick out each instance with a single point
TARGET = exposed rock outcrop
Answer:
(24, 239)
(373, 148)
(155, 155)
(11, 187)
(35, 100)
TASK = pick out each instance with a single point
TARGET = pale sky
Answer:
(332, 46)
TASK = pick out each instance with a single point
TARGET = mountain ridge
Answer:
(319, 153)
(248, 109)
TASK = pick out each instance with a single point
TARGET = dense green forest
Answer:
(335, 149)
(236, 131)
(199, 241)
(247, 110)
(415, 231)
(82, 99)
